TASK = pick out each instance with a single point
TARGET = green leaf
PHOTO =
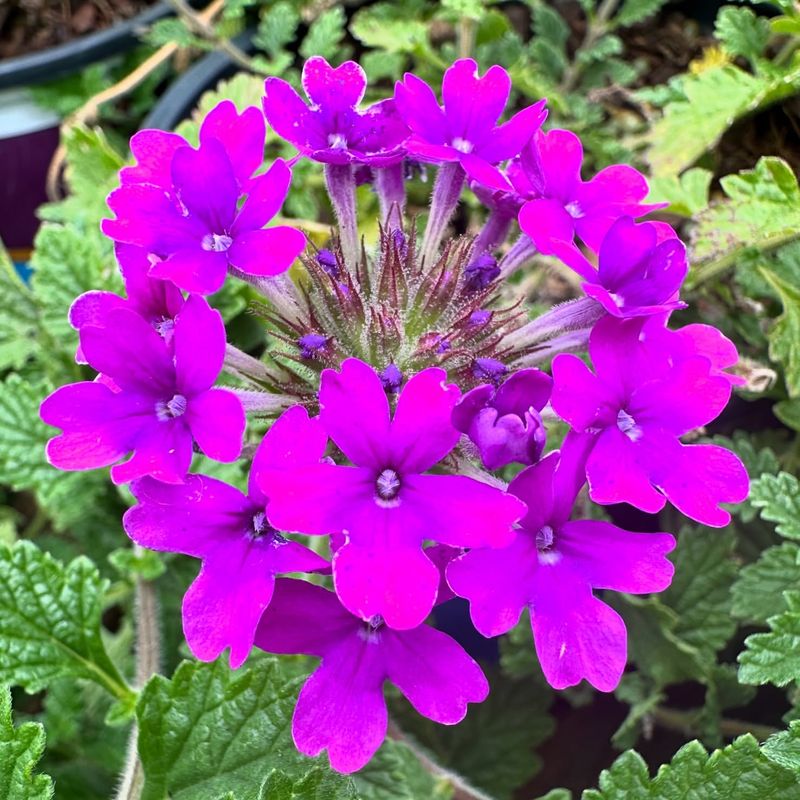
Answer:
(387, 27)
(742, 32)
(634, 11)
(700, 590)
(493, 747)
(468, 9)
(784, 337)
(758, 591)
(145, 564)
(50, 621)
(317, 784)
(277, 27)
(395, 773)
(738, 772)
(761, 211)
(784, 748)
(774, 657)
(637, 692)
(324, 37)
(20, 749)
(686, 194)
(18, 318)
(712, 101)
(209, 730)
(778, 497)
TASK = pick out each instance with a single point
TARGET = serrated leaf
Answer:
(758, 591)
(50, 621)
(761, 210)
(209, 730)
(18, 317)
(778, 497)
(385, 26)
(634, 11)
(395, 773)
(700, 590)
(548, 24)
(739, 771)
(712, 101)
(324, 37)
(277, 27)
(317, 784)
(686, 194)
(784, 337)
(742, 32)
(774, 657)
(784, 748)
(494, 746)
(20, 750)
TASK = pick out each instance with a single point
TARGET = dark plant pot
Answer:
(73, 56)
(181, 97)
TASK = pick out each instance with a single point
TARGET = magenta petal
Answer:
(150, 297)
(199, 346)
(618, 471)
(611, 558)
(316, 500)
(480, 170)
(304, 619)
(341, 707)
(131, 352)
(422, 432)
(546, 221)
(561, 154)
(217, 422)
(355, 412)
(624, 251)
(290, 116)
(162, 450)
(193, 518)
(206, 184)
(333, 89)
(497, 583)
(153, 151)
(99, 425)
(417, 105)
(534, 486)
(579, 397)
(268, 252)
(266, 195)
(434, 673)
(508, 139)
(473, 104)
(194, 269)
(523, 390)
(242, 136)
(91, 308)
(459, 511)
(576, 635)
(382, 570)
(293, 441)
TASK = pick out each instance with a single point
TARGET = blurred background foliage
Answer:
(701, 96)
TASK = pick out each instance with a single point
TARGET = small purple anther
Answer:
(387, 484)
(391, 378)
(480, 317)
(489, 369)
(480, 273)
(171, 409)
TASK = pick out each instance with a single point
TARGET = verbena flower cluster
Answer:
(400, 378)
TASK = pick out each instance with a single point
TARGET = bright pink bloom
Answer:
(341, 707)
(384, 504)
(208, 519)
(638, 403)
(465, 128)
(161, 398)
(553, 567)
(332, 129)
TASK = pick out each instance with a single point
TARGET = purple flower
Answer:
(549, 170)
(504, 423)
(332, 129)
(553, 567)
(312, 345)
(341, 707)
(242, 136)
(155, 301)
(201, 232)
(489, 369)
(637, 405)
(465, 128)
(162, 398)
(384, 504)
(241, 554)
(639, 273)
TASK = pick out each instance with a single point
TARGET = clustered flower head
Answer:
(403, 385)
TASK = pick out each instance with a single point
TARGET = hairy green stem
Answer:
(685, 722)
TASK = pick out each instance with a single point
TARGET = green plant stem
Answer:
(148, 660)
(596, 26)
(685, 722)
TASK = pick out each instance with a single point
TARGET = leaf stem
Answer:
(596, 26)
(685, 722)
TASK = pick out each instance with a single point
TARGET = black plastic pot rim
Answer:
(64, 59)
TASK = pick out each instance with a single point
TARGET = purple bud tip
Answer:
(480, 273)
(391, 378)
(400, 242)
(479, 317)
(489, 369)
(443, 347)
(327, 260)
(311, 345)
(175, 407)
